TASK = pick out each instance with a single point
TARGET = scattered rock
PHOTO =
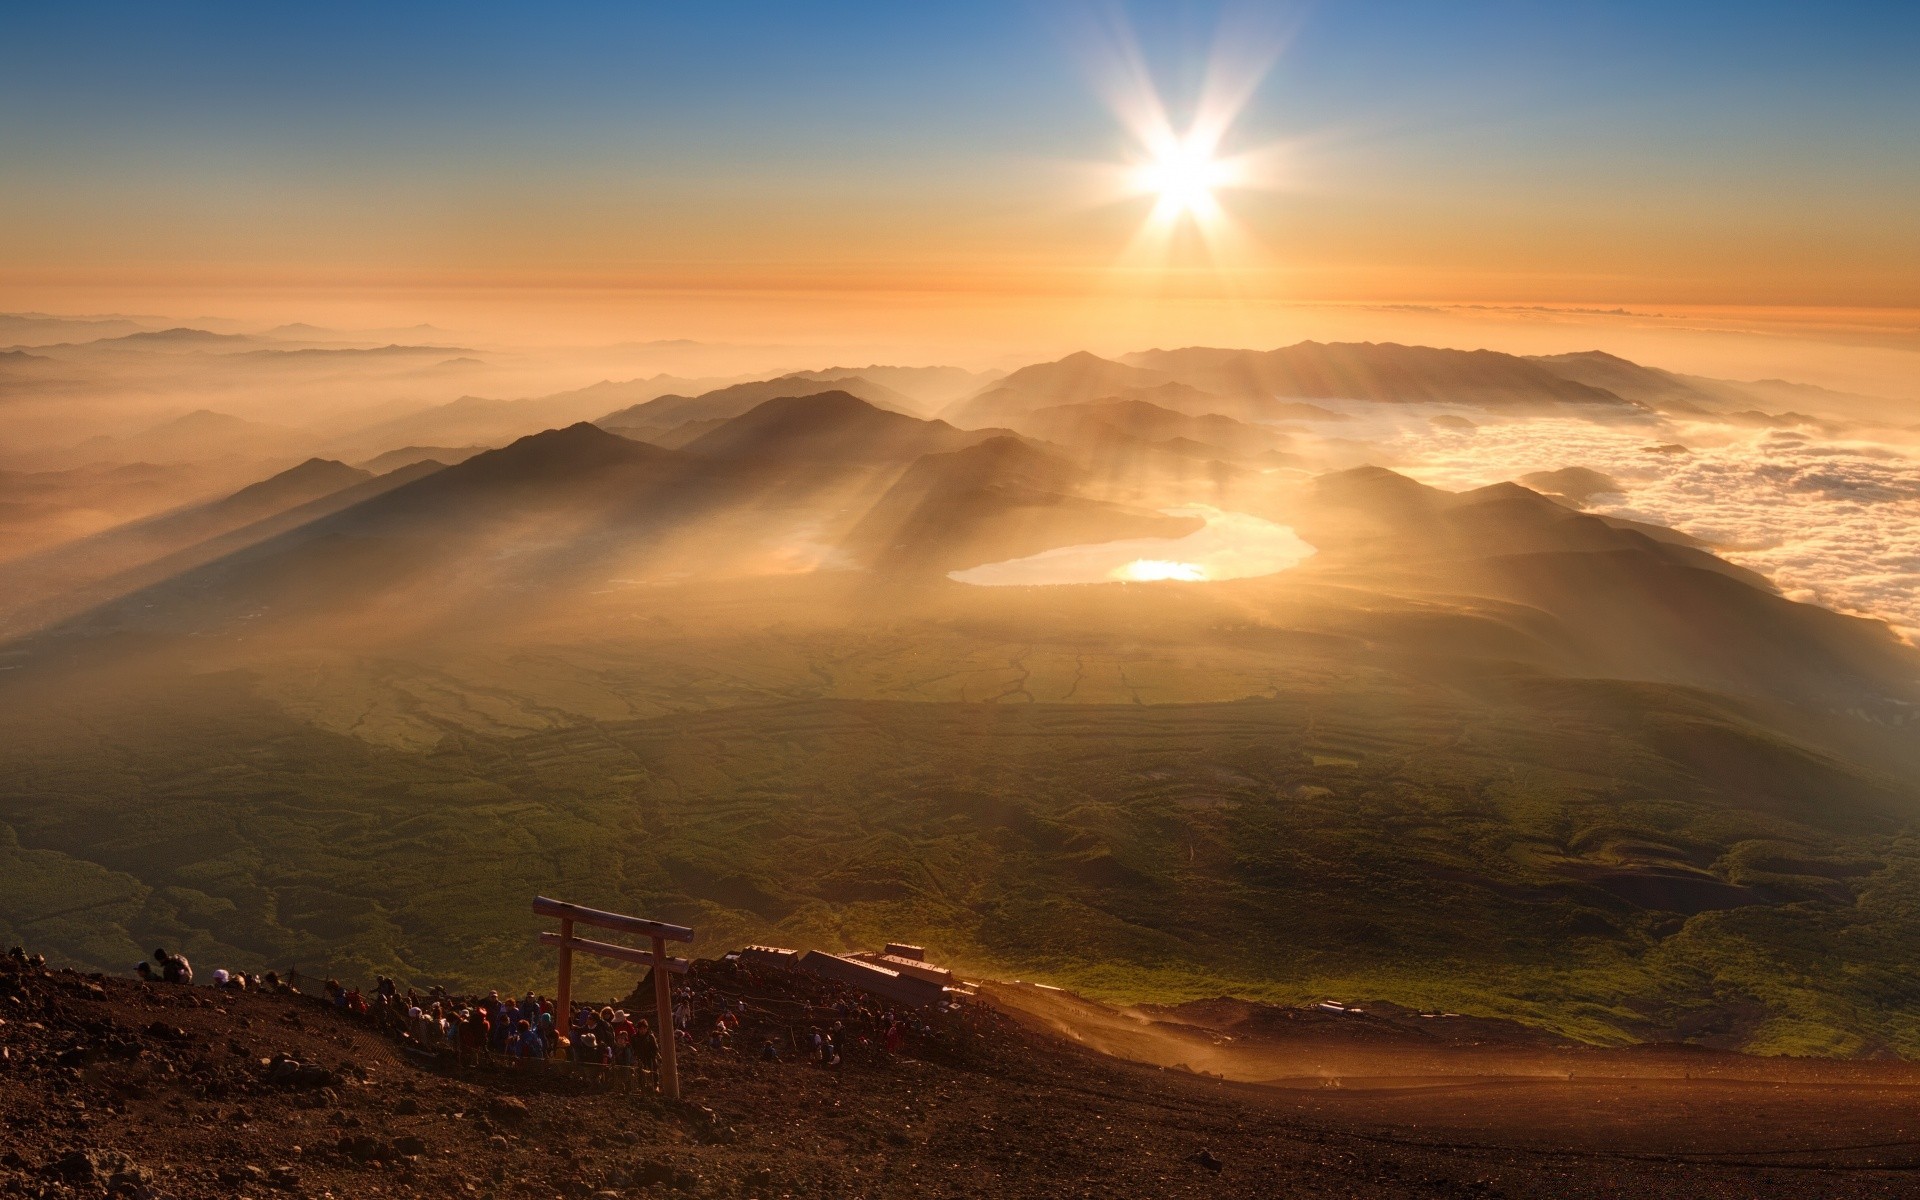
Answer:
(508, 1109)
(362, 1147)
(285, 1070)
(88, 1166)
(1205, 1158)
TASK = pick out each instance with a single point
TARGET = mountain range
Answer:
(1481, 752)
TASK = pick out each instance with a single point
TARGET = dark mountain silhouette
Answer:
(831, 426)
(38, 329)
(1623, 602)
(1576, 485)
(1650, 386)
(295, 485)
(321, 353)
(59, 582)
(178, 338)
(1726, 399)
(671, 411)
(929, 388)
(532, 515)
(674, 438)
(1267, 385)
(1074, 379)
(446, 456)
(580, 455)
(1383, 371)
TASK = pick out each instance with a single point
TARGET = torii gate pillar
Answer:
(659, 932)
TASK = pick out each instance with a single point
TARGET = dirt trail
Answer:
(1483, 1086)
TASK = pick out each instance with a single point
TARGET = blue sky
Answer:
(414, 134)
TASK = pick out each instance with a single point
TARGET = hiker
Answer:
(525, 1043)
(646, 1048)
(474, 1033)
(174, 968)
(768, 1051)
(623, 1031)
(144, 970)
(896, 1037)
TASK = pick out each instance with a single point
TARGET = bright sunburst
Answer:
(1183, 165)
(1184, 174)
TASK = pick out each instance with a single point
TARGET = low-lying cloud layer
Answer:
(1832, 521)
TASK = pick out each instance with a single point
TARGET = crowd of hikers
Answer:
(528, 1033)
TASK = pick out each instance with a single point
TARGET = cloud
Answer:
(1830, 521)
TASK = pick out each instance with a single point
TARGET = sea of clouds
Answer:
(1833, 520)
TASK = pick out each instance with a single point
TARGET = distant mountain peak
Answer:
(827, 425)
(179, 333)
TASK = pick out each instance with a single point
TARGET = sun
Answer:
(1183, 174)
(1155, 570)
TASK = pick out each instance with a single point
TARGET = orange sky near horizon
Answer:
(940, 183)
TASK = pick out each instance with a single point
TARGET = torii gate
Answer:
(659, 931)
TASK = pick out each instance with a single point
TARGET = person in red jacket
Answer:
(474, 1032)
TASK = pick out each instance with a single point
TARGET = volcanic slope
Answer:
(70, 578)
(116, 1087)
(1167, 801)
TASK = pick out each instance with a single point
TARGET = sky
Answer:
(771, 167)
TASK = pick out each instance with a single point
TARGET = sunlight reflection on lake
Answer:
(1230, 546)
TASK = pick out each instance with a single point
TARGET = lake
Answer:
(1231, 545)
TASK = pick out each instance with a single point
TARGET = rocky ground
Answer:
(111, 1087)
